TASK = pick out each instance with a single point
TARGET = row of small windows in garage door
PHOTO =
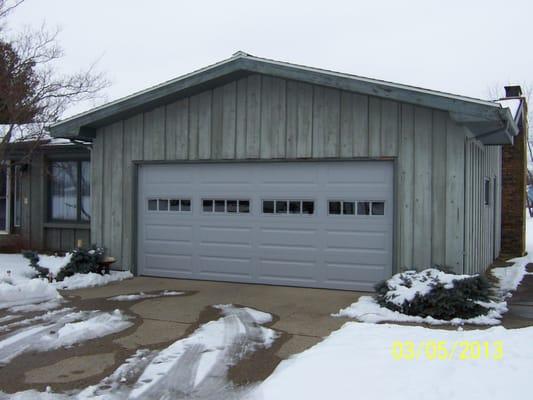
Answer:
(294, 207)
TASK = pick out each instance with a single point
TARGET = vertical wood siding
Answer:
(483, 222)
(262, 117)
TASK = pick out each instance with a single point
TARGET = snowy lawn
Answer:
(20, 292)
(358, 361)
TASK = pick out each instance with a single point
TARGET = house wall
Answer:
(483, 222)
(262, 117)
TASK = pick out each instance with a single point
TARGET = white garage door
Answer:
(314, 224)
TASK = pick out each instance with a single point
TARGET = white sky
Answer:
(462, 47)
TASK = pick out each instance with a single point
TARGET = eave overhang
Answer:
(487, 120)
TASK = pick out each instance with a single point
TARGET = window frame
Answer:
(169, 199)
(7, 168)
(486, 191)
(355, 202)
(288, 201)
(214, 199)
(79, 220)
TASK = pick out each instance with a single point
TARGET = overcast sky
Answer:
(462, 47)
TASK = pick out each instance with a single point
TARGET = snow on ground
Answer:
(194, 367)
(99, 325)
(259, 317)
(30, 291)
(62, 329)
(198, 364)
(80, 281)
(357, 362)
(19, 287)
(366, 309)
(142, 295)
(510, 277)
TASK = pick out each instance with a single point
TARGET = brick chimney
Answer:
(514, 185)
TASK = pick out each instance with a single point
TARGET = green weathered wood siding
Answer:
(483, 222)
(262, 117)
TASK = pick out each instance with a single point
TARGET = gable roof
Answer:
(491, 122)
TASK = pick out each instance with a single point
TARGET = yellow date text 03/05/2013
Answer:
(442, 350)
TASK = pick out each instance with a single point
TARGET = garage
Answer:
(325, 224)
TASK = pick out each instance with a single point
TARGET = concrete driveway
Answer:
(302, 317)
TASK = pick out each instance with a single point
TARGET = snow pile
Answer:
(366, 309)
(44, 306)
(419, 283)
(79, 281)
(99, 325)
(27, 292)
(357, 361)
(142, 295)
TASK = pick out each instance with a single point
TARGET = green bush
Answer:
(445, 300)
(82, 261)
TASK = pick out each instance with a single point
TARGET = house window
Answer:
(70, 191)
(486, 190)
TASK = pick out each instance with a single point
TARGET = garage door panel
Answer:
(168, 232)
(225, 267)
(277, 270)
(170, 247)
(318, 250)
(354, 272)
(354, 241)
(170, 262)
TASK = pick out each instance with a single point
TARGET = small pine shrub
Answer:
(459, 299)
(33, 257)
(82, 261)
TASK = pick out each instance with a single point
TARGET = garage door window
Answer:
(174, 205)
(292, 207)
(220, 206)
(341, 207)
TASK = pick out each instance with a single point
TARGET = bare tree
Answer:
(33, 92)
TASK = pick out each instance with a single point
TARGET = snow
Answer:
(45, 306)
(512, 104)
(27, 292)
(142, 295)
(211, 347)
(510, 277)
(356, 361)
(19, 289)
(80, 281)
(54, 263)
(366, 309)
(59, 329)
(102, 324)
(259, 317)
(421, 283)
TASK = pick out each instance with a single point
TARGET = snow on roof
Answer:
(513, 104)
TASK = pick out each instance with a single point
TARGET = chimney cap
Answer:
(513, 91)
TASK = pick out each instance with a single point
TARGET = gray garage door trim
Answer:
(222, 221)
